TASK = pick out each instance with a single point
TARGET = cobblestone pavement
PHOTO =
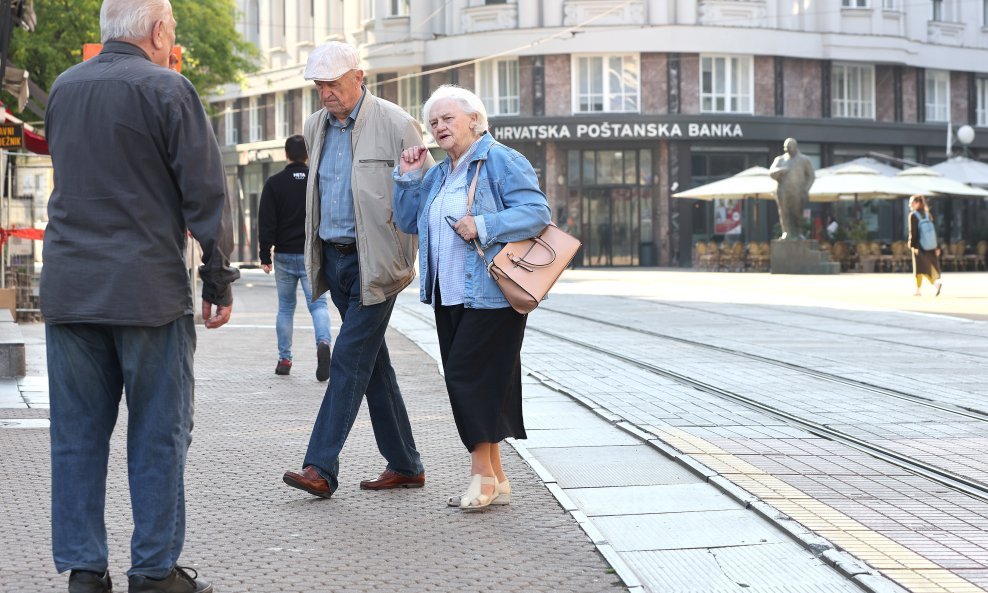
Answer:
(248, 532)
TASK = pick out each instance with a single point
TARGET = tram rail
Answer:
(814, 315)
(960, 483)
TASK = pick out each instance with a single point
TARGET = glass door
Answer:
(610, 227)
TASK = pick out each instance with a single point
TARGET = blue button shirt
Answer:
(337, 221)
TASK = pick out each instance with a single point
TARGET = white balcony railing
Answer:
(492, 17)
(603, 12)
(733, 13)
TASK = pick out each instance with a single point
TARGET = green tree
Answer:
(56, 42)
(214, 53)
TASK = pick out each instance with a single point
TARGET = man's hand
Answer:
(412, 159)
(212, 319)
(266, 268)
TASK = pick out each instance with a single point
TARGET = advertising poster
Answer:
(727, 217)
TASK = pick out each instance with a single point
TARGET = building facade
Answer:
(621, 103)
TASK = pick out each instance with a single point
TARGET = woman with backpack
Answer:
(923, 242)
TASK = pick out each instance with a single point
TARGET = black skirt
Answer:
(481, 354)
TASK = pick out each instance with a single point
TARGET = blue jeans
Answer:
(289, 271)
(89, 366)
(360, 365)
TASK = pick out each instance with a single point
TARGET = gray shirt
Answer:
(136, 166)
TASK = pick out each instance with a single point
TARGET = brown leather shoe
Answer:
(310, 481)
(392, 479)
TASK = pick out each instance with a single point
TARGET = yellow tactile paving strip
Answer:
(909, 569)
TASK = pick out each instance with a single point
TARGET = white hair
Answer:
(469, 103)
(131, 19)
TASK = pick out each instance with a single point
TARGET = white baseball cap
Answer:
(330, 61)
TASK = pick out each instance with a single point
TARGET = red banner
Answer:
(23, 233)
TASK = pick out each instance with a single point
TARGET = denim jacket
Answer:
(507, 205)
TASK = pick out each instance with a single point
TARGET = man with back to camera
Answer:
(281, 225)
(136, 165)
(354, 250)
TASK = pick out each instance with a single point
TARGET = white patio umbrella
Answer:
(865, 161)
(934, 181)
(860, 182)
(964, 169)
(750, 183)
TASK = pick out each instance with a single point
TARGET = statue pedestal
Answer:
(801, 256)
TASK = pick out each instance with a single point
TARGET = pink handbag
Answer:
(526, 270)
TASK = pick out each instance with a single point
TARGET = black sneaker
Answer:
(179, 581)
(323, 358)
(284, 367)
(84, 581)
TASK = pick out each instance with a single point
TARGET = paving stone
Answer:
(628, 465)
(248, 532)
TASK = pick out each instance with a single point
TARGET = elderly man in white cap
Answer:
(354, 250)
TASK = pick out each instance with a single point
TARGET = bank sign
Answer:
(617, 131)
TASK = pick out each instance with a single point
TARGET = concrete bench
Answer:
(11, 346)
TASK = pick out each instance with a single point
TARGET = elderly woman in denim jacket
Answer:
(480, 335)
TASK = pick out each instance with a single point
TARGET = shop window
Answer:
(645, 167)
(726, 84)
(573, 167)
(853, 91)
(981, 108)
(606, 84)
(410, 95)
(609, 167)
(497, 85)
(937, 95)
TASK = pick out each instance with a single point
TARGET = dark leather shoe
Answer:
(323, 358)
(310, 481)
(84, 581)
(392, 479)
(179, 581)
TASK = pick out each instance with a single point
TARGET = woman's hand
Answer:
(412, 159)
(466, 227)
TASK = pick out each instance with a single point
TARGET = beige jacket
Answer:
(386, 255)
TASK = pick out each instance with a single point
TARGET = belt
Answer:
(345, 248)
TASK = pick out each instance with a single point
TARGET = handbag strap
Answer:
(473, 188)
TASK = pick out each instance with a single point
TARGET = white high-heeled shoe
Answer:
(474, 498)
(503, 495)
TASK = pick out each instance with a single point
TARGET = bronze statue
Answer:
(794, 173)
